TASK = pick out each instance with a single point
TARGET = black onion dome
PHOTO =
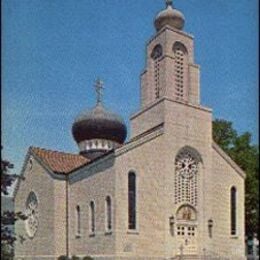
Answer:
(99, 123)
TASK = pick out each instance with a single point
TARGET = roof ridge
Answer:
(59, 162)
(54, 151)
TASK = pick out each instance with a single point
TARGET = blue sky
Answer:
(53, 50)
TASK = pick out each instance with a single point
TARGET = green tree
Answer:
(224, 134)
(7, 217)
(246, 155)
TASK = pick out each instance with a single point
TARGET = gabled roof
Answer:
(228, 160)
(59, 162)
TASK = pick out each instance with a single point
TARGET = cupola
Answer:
(169, 16)
(98, 130)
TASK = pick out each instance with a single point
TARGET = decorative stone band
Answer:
(97, 144)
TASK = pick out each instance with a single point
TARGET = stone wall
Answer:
(224, 178)
(92, 183)
(42, 184)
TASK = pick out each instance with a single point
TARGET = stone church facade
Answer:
(168, 192)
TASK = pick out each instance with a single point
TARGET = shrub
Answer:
(87, 258)
(63, 257)
(75, 257)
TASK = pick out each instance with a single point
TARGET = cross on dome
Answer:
(99, 87)
(168, 2)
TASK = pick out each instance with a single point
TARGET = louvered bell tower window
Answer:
(180, 54)
(156, 55)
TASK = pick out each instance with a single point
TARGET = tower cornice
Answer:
(166, 27)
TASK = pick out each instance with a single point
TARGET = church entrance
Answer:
(186, 239)
(186, 231)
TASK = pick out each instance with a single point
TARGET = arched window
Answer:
(32, 221)
(233, 209)
(180, 67)
(78, 219)
(186, 176)
(131, 200)
(92, 217)
(108, 213)
(156, 54)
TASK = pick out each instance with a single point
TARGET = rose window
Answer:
(32, 222)
(186, 165)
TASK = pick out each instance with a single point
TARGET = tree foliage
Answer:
(8, 217)
(63, 257)
(246, 155)
(74, 257)
(6, 178)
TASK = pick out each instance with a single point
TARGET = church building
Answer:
(169, 192)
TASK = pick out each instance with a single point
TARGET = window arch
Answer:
(157, 51)
(108, 213)
(180, 68)
(92, 217)
(186, 212)
(156, 54)
(233, 210)
(186, 176)
(131, 200)
(78, 219)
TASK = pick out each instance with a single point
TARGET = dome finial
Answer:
(99, 87)
(168, 2)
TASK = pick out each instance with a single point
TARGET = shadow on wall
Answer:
(98, 165)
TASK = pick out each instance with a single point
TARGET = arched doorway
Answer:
(186, 230)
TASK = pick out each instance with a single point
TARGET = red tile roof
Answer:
(60, 162)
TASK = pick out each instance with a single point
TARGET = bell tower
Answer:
(170, 69)
(170, 80)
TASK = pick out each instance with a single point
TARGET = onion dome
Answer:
(99, 123)
(169, 16)
(98, 130)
